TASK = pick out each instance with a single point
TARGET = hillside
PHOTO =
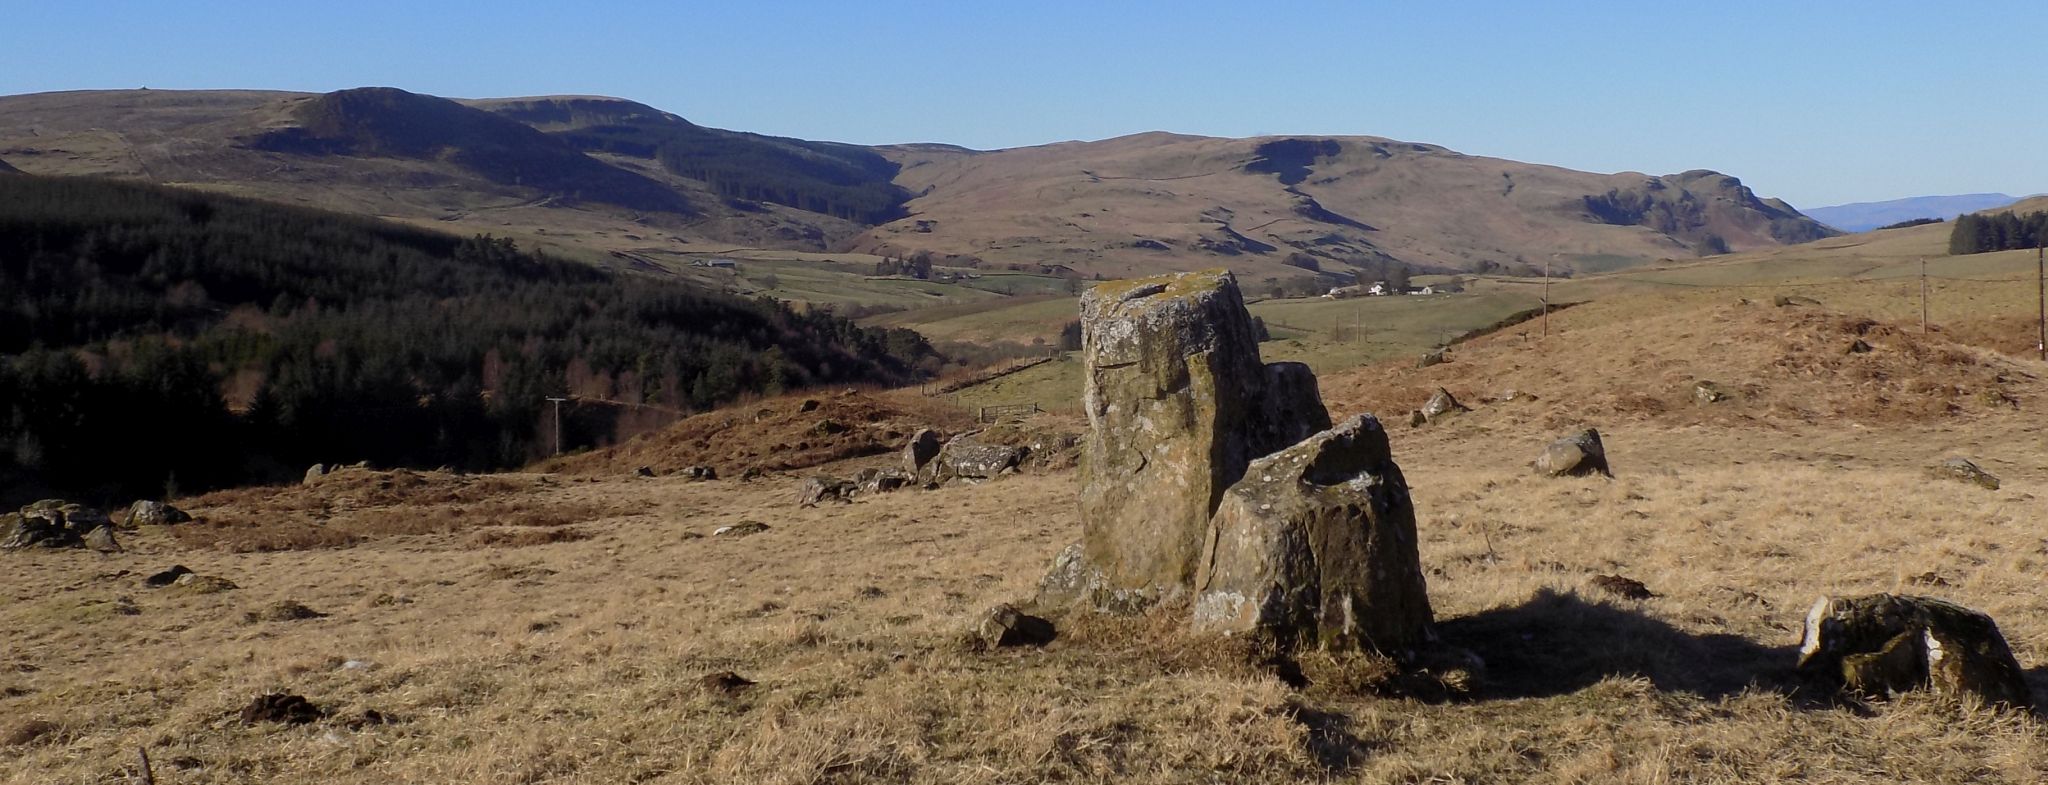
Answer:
(242, 341)
(1151, 201)
(1865, 216)
(843, 181)
(580, 174)
(7, 169)
(415, 158)
(384, 122)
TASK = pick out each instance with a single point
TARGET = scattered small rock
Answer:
(1576, 455)
(1966, 470)
(167, 577)
(1793, 300)
(1004, 625)
(964, 456)
(1435, 356)
(194, 583)
(809, 405)
(149, 513)
(872, 481)
(725, 682)
(1859, 346)
(126, 606)
(741, 529)
(822, 488)
(644, 471)
(286, 610)
(1706, 392)
(1929, 578)
(700, 473)
(1625, 588)
(369, 718)
(101, 539)
(1441, 404)
(51, 523)
(357, 665)
(281, 707)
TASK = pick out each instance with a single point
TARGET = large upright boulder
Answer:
(1178, 403)
(924, 446)
(1881, 644)
(1316, 546)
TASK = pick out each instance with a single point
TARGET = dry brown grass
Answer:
(1624, 360)
(778, 434)
(353, 506)
(581, 661)
(581, 655)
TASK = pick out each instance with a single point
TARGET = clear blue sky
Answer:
(1816, 102)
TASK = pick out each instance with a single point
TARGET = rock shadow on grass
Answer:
(1559, 643)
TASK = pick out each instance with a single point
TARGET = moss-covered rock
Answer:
(1884, 644)
(1316, 546)
(1178, 402)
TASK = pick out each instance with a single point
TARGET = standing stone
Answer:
(1883, 644)
(1576, 455)
(1178, 402)
(1316, 546)
(924, 446)
(314, 473)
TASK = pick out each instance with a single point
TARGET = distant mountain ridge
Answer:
(608, 174)
(1138, 203)
(1865, 216)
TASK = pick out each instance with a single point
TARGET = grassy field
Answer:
(570, 643)
(1328, 335)
(1019, 320)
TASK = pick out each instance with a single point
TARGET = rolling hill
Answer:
(605, 174)
(1154, 201)
(1865, 216)
(382, 122)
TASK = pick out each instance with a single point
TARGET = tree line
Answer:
(153, 336)
(1976, 233)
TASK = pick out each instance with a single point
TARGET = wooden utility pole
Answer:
(1923, 295)
(2041, 286)
(558, 423)
(1546, 296)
